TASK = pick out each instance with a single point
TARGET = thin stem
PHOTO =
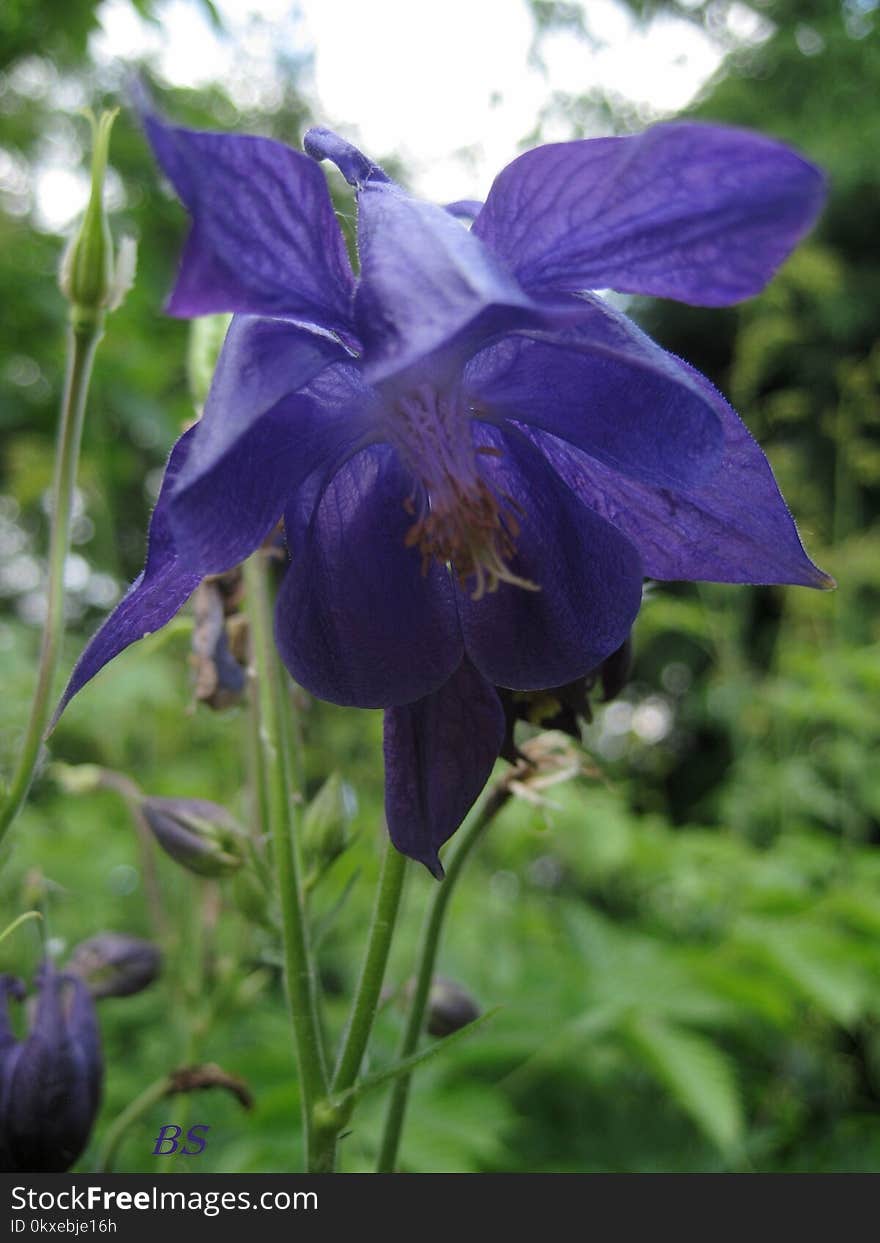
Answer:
(429, 945)
(299, 976)
(132, 1113)
(369, 985)
(83, 338)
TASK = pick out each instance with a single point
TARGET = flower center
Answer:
(458, 519)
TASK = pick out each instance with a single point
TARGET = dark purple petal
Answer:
(265, 239)
(154, 597)
(356, 621)
(9, 987)
(606, 387)
(427, 284)
(735, 528)
(701, 213)
(589, 578)
(258, 437)
(55, 1087)
(439, 754)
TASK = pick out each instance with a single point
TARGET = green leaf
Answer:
(408, 1064)
(696, 1074)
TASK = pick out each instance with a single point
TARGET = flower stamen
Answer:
(475, 537)
(460, 520)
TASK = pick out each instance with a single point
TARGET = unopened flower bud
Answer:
(50, 1083)
(450, 1007)
(327, 821)
(113, 964)
(91, 277)
(199, 835)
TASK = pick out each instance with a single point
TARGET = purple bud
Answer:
(113, 964)
(199, 835)
(50, 1082)
(450, 1007)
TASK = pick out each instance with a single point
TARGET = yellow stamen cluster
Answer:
(474, 533)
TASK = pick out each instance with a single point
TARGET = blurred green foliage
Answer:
(686, 943)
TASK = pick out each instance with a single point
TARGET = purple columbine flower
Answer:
(50, 1082)
(476, 459)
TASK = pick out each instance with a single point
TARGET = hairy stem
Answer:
(299, 975)
(83, 337)
(429, 945)
(366, 998)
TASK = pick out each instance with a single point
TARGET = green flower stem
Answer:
(83, 337)
(429, 945)
(120, 1126)
(366, 999)
(373, 970)
(299, 974)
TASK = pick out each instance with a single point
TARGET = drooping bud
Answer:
(326, 823)
(91, 277)
(50, 1083)
(450, 1007)
(201, 836)
(113, 964)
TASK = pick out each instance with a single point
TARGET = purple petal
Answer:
(439, 754)
(258, 437)
(55, 1085)
(588, 575)
(701, 213)
(735, 528)
(427, 284)
(265, 239)
(357, 622)
(606, 387)
(356, 168)
(153, 598)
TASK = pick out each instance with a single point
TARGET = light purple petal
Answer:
(271, 417)
(427, 284)
(701, 213)
(265, 239)
(605, 386)
(735, 528)
(356, 621)
(439, 754)
(154, 597)
(356, 168)
(589, 580)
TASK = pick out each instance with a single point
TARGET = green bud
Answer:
(327, 821)
(199, 835)
(91, 278)
(206, 337)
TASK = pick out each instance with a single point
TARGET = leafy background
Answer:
(685, 942)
